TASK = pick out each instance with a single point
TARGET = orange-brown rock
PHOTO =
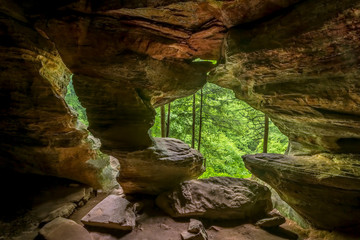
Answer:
(302, 70)
(39, 133)
(323, 188)
(159, 168)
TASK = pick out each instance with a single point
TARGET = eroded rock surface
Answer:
(323, 188)
(62, 228)
(113, 212)
(301, 69)
(217, 198)
(159, 168)
(39, 133)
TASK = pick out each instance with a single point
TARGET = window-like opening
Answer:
(73, 101)
(230, 129)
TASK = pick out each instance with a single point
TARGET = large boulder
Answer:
(324, 188)
(159, 168)
(217, 198)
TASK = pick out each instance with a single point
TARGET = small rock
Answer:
(61, 229)
(64, 210)
(274, 213)
(196, 231)
(195, 226)
(192, 236)
(165, 227)
(118, 191)
(138, 207)
(112, 212)
(214, 228)
(270, 222)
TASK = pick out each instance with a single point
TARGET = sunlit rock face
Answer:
(302, 69)
(38, 131)
(323, 188)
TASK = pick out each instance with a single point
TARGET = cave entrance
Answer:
(230, 128)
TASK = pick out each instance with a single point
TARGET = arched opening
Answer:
(230, 128)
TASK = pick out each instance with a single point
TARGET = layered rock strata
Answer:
(159, 168)
(323, 188)
(301, 69)
(39, 133)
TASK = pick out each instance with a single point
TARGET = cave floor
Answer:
(20, 199)
(153, 224)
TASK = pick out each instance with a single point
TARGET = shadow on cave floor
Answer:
(154, 224)
(28, 201)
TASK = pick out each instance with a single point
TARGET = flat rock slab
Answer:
(62, 228)
(217, 198)
(324, 188)
(112, 212)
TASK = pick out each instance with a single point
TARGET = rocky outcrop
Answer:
(301, 69)
(324, 188)
(39, 133)
(127, 57)
(62, 228)
(159, 168)
(113, 212)
(274, 219)
(217, 198)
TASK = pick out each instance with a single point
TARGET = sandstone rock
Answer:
(271, 222)
(159, 168)
(61, 228)
(112, 212)
(64, 210)
(149, 64)
(323, 188)
(193, 236)
(301, 69)
(41, 132)
(195, 226)
(217, 198)
(196, 231)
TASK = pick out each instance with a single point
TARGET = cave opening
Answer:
(230, 128)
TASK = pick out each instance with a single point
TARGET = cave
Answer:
(296, 61)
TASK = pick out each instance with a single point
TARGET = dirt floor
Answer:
(21, 198)
(153, 224)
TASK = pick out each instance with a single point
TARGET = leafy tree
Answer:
(230, 129)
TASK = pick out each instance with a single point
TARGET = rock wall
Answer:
(302, 70)
(297, 61)
(39, 133)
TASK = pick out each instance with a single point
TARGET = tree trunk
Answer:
(266, 134)
(163, 127)
(193, 122)
(200, 118)
(168, 121)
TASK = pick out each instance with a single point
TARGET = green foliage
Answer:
(231, 128)
(73, 101)
(203, 60)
